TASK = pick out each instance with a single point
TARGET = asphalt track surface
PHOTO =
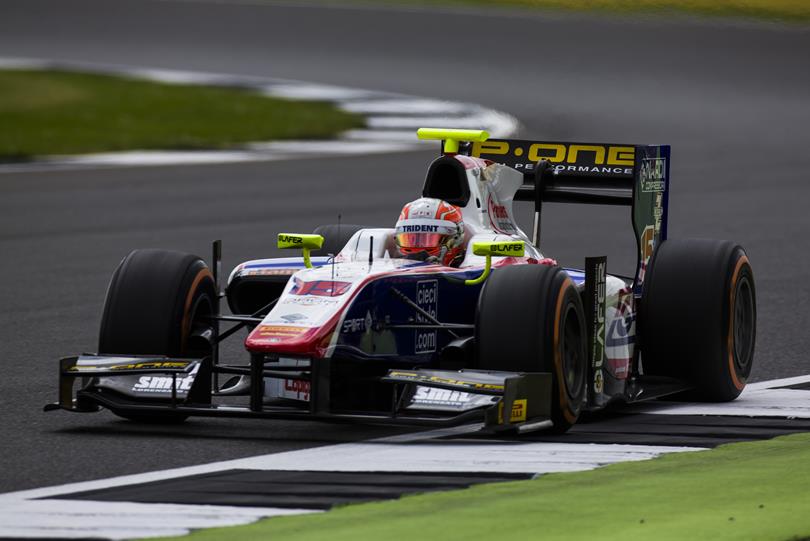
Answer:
(732, 99)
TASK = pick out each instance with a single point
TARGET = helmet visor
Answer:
(420, 240)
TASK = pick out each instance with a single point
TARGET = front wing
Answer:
(418, 397)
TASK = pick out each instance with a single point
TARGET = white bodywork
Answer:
(488, 216)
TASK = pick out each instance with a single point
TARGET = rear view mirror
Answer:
(514, 248)
(303, 242)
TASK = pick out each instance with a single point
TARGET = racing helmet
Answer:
(431, 230)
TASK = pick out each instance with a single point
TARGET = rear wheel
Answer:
(158, 303)
(530, 319)
(698, 316)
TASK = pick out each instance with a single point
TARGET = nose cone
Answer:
(290, 340)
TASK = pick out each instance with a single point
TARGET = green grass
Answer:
(746, 491)
(54, 112)
(780, 10)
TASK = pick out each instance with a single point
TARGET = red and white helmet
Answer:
(431, 230)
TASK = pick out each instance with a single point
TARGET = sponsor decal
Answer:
(652, 174)
(604, 160)
(296, 389)
(359, 324)
(619, 368)
(431, 396)
(268, 272)
(290, 389)
(613, 171)
(146, 365)
(310, 301)
(421, 211)
(498, 211)
(621, 336)
(292, 318)
(162, 384)
(427, 298)
(507, 248)
(320, 288)
(518, 413)
(598, 382)
(280, 330)
(598, 316)
(596, 310)
(413, 376)
(619, 333)
(290, 239)
(647, 243)
(658, 210)
(499, 217)
(418, 229)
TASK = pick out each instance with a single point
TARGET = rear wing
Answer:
(606, 174)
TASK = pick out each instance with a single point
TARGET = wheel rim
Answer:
(743, 314)
(201, 328)
(572, 361)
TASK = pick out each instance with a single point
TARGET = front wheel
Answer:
(530, 319)
(158, 303)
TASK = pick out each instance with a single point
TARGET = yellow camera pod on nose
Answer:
(304, 242)
(514, 248)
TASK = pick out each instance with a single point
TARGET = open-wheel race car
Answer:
(357, 329)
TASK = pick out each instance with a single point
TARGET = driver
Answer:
(431, 230)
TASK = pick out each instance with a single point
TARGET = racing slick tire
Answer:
(158, 302)
(697, 318)
(335, 237)
(530, 319)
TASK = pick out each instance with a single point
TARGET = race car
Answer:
(353, 329)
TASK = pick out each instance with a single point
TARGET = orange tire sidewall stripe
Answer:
(569, 416)
(730, 341)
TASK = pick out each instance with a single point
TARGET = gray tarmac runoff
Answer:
(729, 97)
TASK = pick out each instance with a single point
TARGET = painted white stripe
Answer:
(773, 383)
(290, 148)
(401, 136)
(412, 106)
(122, 520)
(22, 63)
(497, 124)
(158, 158)
(256, 152)
(752, 402)
(536, 458)
(87, 532)
(316, 92)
